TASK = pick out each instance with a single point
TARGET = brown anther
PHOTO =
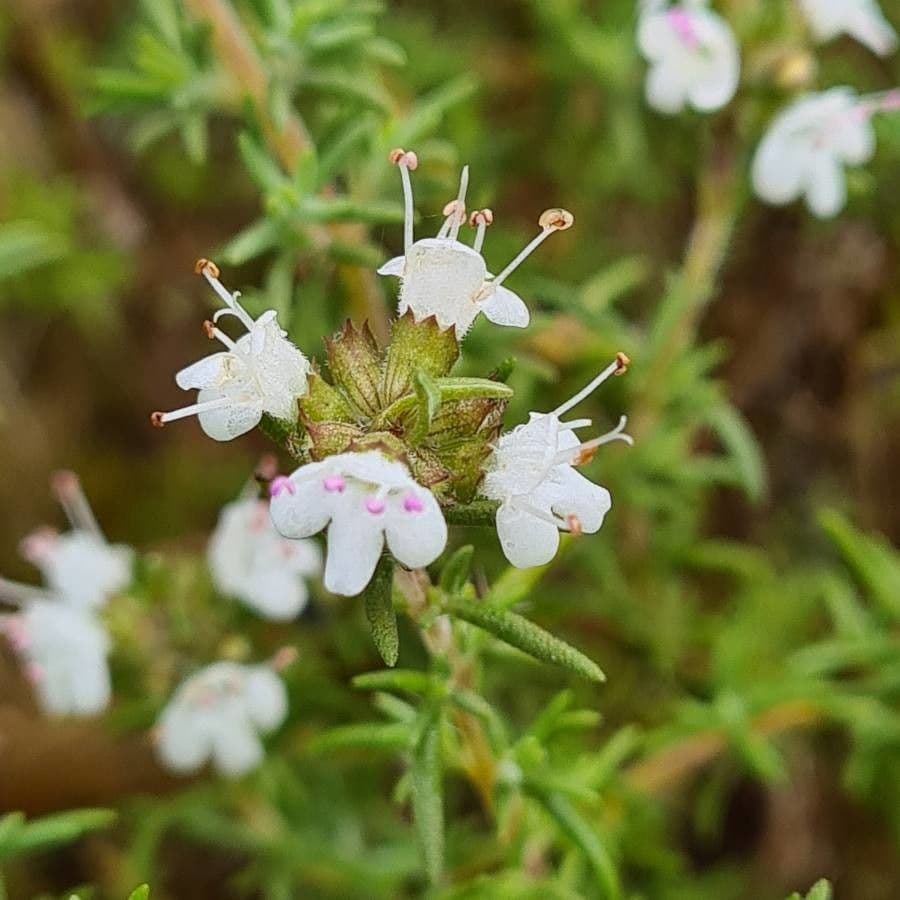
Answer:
(454, 207)
(401, 157)
(556, 219)
(64, 482)
(574, 524)
(584, 456)
(209, 329)
(622, 363)
(206, 267)
(480, 216)
(156, 419)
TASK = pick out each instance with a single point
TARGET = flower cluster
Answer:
(57, 632)
(695, 61)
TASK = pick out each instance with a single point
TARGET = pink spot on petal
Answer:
(281, 483)
(375, 506)
(334, 484)
(413, 504)
(683, 25)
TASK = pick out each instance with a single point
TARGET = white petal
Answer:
(266, 697)
(393, 266)
(181, 745)
(306, 510)
(503, 307)
(305, 558)
(355, 541)
(278, 594)
(656, 39)
(373, 467)
(855, 142)
(778, 170)
(236, 748)
(869, 26)
(664, 90)
(826, 191)
(526, 540)
(230, 421)
(569, 493)
(416, 538)
(208, 372)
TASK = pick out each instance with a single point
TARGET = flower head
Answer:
(261, 372)
(532, 475)
(63, 652)
(218, 714)
(694, 58)
(366, 500)
(251, 561)
(804, 152)
(79, 567)
(445, 278)
(860, 19)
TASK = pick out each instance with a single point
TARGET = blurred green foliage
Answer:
(748, 737)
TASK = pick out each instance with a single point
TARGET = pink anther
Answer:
(334, 484)
(375, 505)
(413, 504)
(281, 483)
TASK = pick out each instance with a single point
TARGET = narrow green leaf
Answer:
(50, 831)
(10, 825)
(380, 611)
(577, 830)
(345, 209)
(519, 632)
(141, 892)
(255, 239)
(455, 573)
(261, 167)
(392, 736)
(735, 434)
(428, 396)
(427, 796)
(821, 890)
(410, 680)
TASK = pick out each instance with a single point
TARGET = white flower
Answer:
(443, 277)
(861, 19)
(369, 500)
(532, 475)
(251, 561)
(804, 152)
(694, 58)
(63, 651)
(218, 714)
(261, 372)
(79, 567)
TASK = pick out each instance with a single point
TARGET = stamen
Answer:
(375, 505)
(578, 455)
(71, 497)
(406, 162)
(158, 419)
(15, 594)
(616, 367)
(412, 503)
(480, 219)
(551, 220)
(38, 546)
(281, 483)
(210, 271)
(455, 210)
(524, 506)
(284, 658)
(334, 484)
(574, 524)
(216, 334)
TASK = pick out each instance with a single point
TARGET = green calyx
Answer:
(402, 401)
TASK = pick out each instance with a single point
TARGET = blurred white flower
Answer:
(251, 561)
(63, 652)
(444, 278)
(694, 58)
(261, 372)
(804, 152)
(862, 20)
(369, 500)
(532, 475)
(79, 567)
(218, 714)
